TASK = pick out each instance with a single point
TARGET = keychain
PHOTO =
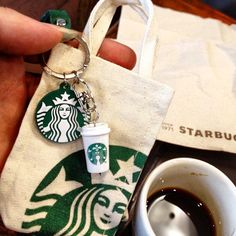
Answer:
(66, 114)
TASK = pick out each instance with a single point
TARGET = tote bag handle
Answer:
(99, 22)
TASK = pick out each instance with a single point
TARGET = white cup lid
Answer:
(97, 129)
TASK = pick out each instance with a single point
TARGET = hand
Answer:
(21, 36)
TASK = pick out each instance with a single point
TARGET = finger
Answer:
(117, 53)
(22, 35)
(110, 50)
(114, 52)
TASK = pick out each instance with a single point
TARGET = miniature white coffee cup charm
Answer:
(96, 147)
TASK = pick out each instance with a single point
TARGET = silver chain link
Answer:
(86, 100)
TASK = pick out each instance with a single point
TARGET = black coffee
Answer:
(178, 213)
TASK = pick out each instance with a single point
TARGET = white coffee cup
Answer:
(96, 147)
(199, 178)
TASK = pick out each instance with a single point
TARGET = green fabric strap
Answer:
(57, 17)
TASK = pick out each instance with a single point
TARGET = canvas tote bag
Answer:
(45, 187)
(196, 57)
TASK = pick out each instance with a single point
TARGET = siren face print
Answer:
(110, 212)
(64, 111)
(59, 115)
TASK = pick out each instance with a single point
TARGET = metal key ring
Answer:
(75, 73)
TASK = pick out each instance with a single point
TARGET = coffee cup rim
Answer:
(169, 163)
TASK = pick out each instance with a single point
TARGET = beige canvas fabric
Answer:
(39, 176)
(197, 58)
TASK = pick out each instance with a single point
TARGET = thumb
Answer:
(21, 35)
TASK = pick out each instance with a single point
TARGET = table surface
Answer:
(79, 11)
(196, 7)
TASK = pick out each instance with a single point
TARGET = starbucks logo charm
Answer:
(60, 116)
(97, 153)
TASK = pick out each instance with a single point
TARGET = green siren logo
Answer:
(59, 115)
(69, 201)
(97, 153)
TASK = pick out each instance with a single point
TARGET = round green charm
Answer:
(59, 115)
(97, 153)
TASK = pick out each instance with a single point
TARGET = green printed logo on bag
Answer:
(70, 201)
